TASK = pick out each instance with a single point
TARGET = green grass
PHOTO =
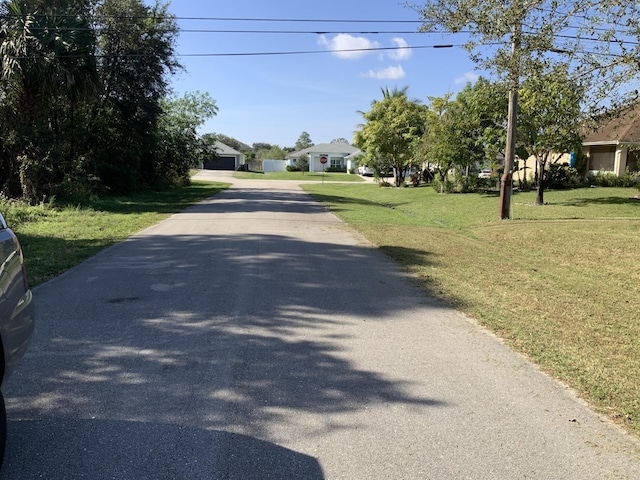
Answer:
(300, 176)
(55, 238)
(559, 282)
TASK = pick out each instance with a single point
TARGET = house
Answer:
(228, 158)
(334, 155)
(609, 146)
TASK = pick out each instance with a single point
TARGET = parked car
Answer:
(364, 170)
(484, 173)
(369, 171)
(17, 315)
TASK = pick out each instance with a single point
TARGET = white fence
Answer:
(274, 166)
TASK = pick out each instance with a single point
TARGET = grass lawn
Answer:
(559, 282)
(55, 238)
(300, 176)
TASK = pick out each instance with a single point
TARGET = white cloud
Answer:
(468, 77)
(344, 41)
(404, 52)
(390, 73)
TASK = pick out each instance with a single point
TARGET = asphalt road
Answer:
(254, 336)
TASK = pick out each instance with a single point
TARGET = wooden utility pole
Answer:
(506, 182)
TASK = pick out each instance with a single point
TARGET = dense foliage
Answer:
(393, 129)
(84, 101)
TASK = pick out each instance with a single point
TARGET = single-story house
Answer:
(609, 146)
(228, 158)
(333, 154)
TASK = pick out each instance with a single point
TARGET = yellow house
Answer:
(610, 145)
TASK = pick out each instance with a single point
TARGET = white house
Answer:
(334, 154)
(228, 158)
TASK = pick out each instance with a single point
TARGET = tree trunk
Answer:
(540, 189)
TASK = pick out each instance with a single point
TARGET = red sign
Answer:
(323, 160)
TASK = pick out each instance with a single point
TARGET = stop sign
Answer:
(323, 160)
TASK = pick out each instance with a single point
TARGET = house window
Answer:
(602, 158)
(632, 161)
(336, 162)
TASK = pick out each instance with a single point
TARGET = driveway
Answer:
(255, 336)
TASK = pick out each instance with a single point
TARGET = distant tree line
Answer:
(85, 105)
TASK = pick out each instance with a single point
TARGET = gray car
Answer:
(16, 314)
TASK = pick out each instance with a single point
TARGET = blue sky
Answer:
(274, 98)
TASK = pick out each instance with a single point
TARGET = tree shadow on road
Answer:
(84, 448)
(210, 331)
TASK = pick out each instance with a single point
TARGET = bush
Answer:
(293, 168)
(336, 169)
(17, 212)
(608, 179)
(561, 176)
(442, 186)
(466, 183)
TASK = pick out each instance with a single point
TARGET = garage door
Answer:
(222, 163)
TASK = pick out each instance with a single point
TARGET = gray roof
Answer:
(329, 148)
(225, 150)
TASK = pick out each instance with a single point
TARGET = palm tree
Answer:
(47, 65)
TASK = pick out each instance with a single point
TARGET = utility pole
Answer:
(506, 182)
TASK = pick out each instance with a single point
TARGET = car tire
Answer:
(3, 429)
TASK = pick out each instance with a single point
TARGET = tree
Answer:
(535, 31)
(304, 141)
(178, 145)
(47, 68)
(453, 137)
(550, 119)
(272, 153)
(612, 61)
(393, 129)
(261, 146)
(484, 106)
(137, 54)
(303, 163)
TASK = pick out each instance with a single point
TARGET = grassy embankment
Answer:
(56, 237)
(559, 282)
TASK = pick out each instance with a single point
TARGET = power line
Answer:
(247, 54)
(219, 19)
(293, 20)
(307, 52)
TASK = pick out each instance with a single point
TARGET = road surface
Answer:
(255, 336)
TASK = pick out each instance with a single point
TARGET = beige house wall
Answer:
(519, 174)
(609, 158)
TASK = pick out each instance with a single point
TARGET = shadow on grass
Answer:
(610, 200)
(164, 201)
(334, 202)
(416, 262)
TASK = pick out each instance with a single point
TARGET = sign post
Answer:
(323, 161)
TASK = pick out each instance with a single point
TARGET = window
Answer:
(602, 158)
(336, 162)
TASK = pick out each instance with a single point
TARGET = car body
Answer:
(17, 315)
(484, 173)
(365, 170)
